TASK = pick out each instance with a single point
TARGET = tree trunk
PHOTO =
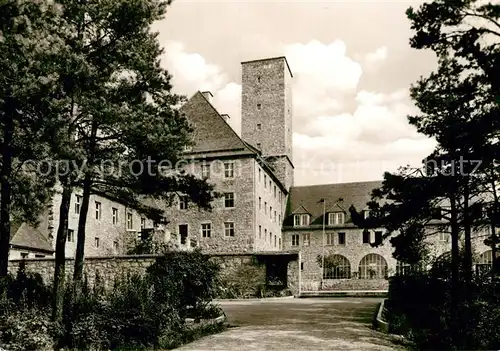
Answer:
(59, 271)
(5, 192)
(456, 291)
(494, 268)
(467, 237)
(82, 221)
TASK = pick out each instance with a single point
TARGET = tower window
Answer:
(259, 126)
(259, 106)
(258, 79)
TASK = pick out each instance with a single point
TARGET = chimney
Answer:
(208, 95)
(225, 116)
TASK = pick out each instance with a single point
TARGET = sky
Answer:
(352, 67)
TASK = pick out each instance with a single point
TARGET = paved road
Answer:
(299, 324)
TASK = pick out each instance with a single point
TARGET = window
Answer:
(39, 256)
(260, 232)
(259, 126)
(275, 241)
(279, 218)
(229, 169)
(143, 223)
(130, 224)
(183, 202)
(258, 79)
(275, 216)
(341, 237)
(306, 239)
(265, 234)
(228, 229)
(71, 236)
(372, 266)
(330, 239)
(295, 239)
(260, 203)
(275, 191)
(96, 242)
(270, 237)
(336, 267)
(269, 185)
(265, 181)
(78, 204)
(206, 230)
(259, 106)
(279, 243)
(115, 246)
(436, 213)
(265, 207)
(336, 218)
(183, 233)
(301, 266)
(271, 212)
(97, 210)
(301, 220)
(259, 146)
(444, 237)
(115, 215)
(366, 237)
(228, 200)
(378, 238)
(205, 171)
(366, 214)
(24, 255)
(485, 262)
(260, 175)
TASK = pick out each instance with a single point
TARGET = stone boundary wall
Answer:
(110, 267)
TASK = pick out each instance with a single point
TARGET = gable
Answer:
(211, 133)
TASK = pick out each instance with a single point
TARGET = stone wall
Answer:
(246, 271)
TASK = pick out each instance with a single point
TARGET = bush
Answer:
(139, 312)
(420, 307)
(27, 329)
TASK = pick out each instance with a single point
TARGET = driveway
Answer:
(299, 324)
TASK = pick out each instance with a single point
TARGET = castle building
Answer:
(260, 208)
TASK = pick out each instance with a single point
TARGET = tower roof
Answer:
(272, 59)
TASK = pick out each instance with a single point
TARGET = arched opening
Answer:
(485, 262)
(337, 267)
(373, 266)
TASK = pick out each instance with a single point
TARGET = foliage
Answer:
(419, 306)
(136, 312)
(250, 283)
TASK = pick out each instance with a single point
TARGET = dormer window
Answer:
(436, 213)
(301, 220)
(336, 218)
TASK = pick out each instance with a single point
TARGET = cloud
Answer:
(190, 71)
(322, 75)
(373, 59)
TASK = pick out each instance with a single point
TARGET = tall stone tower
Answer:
(266, 112)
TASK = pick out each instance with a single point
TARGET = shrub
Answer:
(420, 307)
(27, 329)
(139, 312)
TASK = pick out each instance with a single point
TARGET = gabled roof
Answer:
(301, 210)
(342, 194)
(337, 207)
(27, 237)
(212, 134)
